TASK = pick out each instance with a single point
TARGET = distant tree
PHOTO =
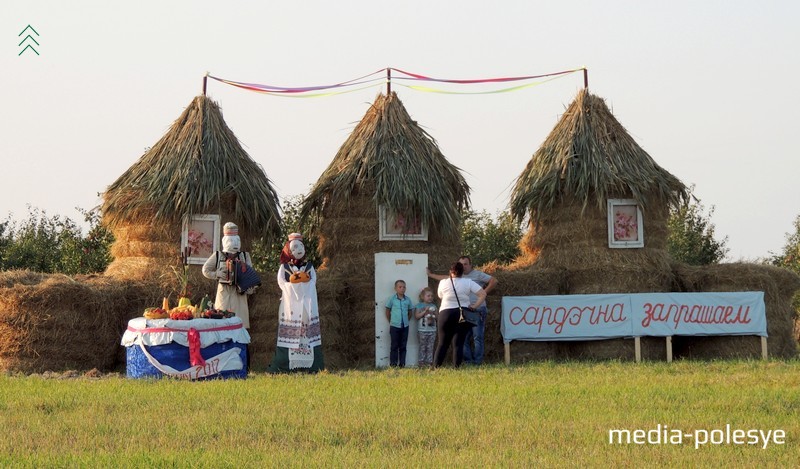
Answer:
(691, 234)
(789, 258)
(54, 244)
(486, 239)
(266, 252)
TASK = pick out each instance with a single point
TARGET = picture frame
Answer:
(394, 227)
(625, 224)
(201, 235)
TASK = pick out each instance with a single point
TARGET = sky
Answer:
(708, 89)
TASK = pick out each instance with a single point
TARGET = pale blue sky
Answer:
(708, 88)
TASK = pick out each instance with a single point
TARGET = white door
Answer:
(390, 267)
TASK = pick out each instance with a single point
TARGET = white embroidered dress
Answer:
(298, 323)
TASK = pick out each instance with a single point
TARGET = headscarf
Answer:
(286, 254)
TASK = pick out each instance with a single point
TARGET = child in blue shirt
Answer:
(398, 313)
(425, 312)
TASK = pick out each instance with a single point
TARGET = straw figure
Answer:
(389, 161)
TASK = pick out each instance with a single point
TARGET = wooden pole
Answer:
(669, 349)
(205, 83)
(764, 348)
(637, 345)
(507, 347)
(388, 81)
(585, 77)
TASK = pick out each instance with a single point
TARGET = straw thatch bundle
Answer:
(197, 167)
(56, 322)
(390, 159)
(589, 157)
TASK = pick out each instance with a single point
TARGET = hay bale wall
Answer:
(56, 322)
(778, 285)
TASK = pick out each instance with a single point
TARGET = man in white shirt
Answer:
(488, 283)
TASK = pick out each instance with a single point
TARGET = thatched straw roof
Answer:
(589, 157)
(399, 164)
(197, 163)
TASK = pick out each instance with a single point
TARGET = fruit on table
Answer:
(182, 313)
(212, 313)
(155, 313)
(184, 301)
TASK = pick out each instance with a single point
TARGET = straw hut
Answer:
(587, 160)
(197, 168)
(389, 175)
(588, 180)
(587, 163)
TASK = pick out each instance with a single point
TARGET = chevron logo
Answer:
(30, 40)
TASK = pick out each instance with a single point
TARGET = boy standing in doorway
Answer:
(398, 313)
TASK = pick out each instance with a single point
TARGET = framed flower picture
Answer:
(400, 227)
(200, 237)
(625, 224)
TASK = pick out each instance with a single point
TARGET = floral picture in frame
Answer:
(399, 227)
(625, 224)
(200, 237)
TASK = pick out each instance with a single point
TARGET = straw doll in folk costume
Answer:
(219, 267)
(299, 334)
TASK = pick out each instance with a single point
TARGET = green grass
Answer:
(547, 414)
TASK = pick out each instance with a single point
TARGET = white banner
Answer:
(228, 360)
(590, 317)
(706, 313)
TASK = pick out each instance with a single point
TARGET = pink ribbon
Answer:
(195, 358)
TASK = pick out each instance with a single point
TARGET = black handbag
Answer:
(467, 315)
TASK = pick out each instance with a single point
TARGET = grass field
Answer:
(546, 414)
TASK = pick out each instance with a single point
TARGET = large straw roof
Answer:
(392, 159)
(194, 167)
(589, 157)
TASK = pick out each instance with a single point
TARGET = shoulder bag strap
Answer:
(456, 293)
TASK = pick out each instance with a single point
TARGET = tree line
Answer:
(51, 244)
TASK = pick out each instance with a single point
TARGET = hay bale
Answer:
(778, 285)
(520, 281)
(263, 307)
(62, 322)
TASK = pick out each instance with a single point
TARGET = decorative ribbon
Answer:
(416, 76)
(503, 90)
(305, 91)
(195, 358)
